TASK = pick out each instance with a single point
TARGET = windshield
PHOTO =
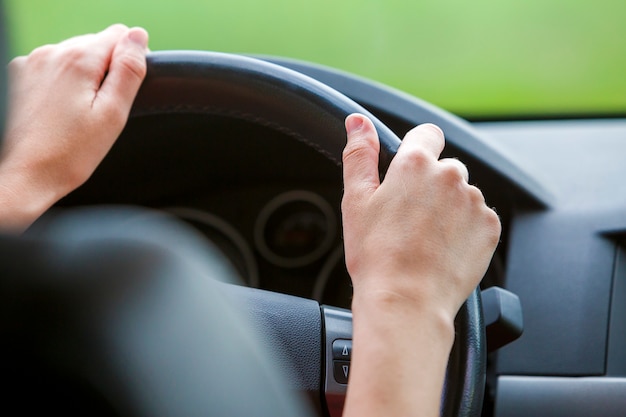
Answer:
(479, 59)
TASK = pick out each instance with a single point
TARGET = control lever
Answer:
(504, 321)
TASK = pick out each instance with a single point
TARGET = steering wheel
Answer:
(297, 334)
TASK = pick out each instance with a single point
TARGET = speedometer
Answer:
(295, 229)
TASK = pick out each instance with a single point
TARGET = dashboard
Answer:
(565, 262)
(271, 204)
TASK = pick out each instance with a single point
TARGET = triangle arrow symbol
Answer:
(345, 368)
(345, 350)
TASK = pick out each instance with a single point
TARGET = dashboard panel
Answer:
(270, 203)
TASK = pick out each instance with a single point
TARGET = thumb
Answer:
(360, 157)
(127, 69)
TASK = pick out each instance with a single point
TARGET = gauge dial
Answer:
(226, 238)
(295, 229)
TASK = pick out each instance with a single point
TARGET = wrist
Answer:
(384, 307)
(23, 196)
(401, 350)
(402, 294)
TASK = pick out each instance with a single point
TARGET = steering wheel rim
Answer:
(313, 113)
(61, 310)
(257, 91)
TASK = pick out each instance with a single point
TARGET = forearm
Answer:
(416, 245)
(400, 357)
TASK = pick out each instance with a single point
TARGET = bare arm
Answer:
(416, 246)
(67, 105)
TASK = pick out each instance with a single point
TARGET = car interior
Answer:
(245, 152)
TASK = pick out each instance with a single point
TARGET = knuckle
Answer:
(346, 201)
(40, 55)
(452, 175)
(493, 227)
(489, 222)
(42, 52)
(354, 150)
(350, 152)
(117, 27)
(486, 217)
(75, 57)
(416, 158)
(64, 57)
(16, 64)
(75, 53)
(133, 65)
(476, 196)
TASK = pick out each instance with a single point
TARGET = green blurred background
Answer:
(481, 58)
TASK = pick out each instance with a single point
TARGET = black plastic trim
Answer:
(560, 397)
(615, 358)
(380, 98)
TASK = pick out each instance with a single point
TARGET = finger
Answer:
(458, 166)
(427, 136)
(92, 53)
(15, 66)
(126, 72)
(109, 35)
(360, 156)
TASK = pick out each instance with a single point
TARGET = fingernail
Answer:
(433, 127)
(139, 37)
(353, 123)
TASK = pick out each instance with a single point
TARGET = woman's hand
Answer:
(416, 246)
(424, 235)
(68, 103)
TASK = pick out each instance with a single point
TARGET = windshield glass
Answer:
(479, 59)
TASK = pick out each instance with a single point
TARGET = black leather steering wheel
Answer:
(312, 113)
(240, 88)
